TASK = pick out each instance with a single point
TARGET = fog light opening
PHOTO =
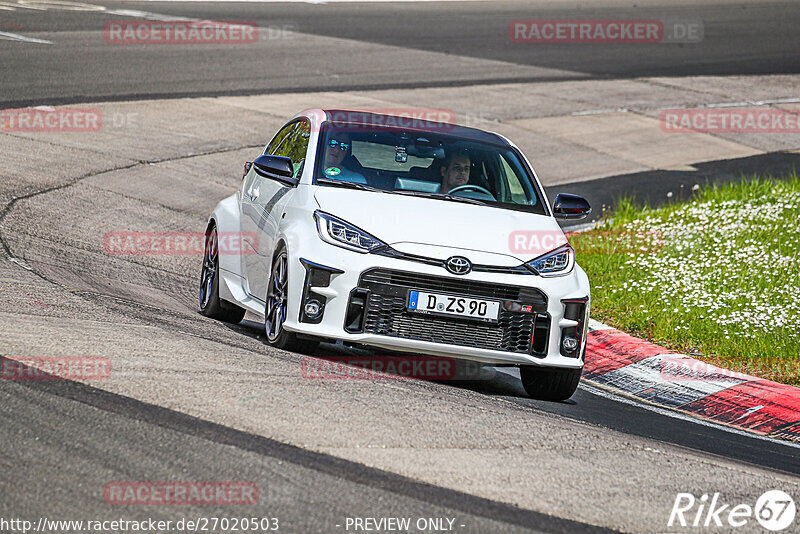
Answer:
(574, 337)
(313, 304)
(569, 343)
(313, 309)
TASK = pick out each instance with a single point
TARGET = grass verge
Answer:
(716, 277)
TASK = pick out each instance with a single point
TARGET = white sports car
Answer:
(408, 235)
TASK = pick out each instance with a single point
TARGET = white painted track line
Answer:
(16, 37)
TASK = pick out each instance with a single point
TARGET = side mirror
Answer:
(569, 206)
(277, 168)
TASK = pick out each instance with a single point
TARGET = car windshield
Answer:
(425, 164)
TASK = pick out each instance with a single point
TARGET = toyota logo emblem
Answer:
(458, 265)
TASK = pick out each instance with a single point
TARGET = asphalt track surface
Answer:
(303, 489)
(63, 440)
(353, 46)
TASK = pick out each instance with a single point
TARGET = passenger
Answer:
(455, 170)
(338, 148)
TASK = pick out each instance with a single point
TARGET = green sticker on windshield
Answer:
(332, 171)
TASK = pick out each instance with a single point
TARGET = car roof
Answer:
(410, 122)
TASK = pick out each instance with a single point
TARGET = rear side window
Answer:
(279, 138)
(292, 142)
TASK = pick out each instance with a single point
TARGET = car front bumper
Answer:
(517, 339)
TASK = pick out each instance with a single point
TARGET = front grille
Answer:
(444, 284)
(386, 312)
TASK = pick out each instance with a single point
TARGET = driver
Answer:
(455, 170)
(337, 149)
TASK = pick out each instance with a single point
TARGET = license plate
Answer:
(434, 303)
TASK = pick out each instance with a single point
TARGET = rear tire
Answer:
(276, 306)
(547, 383)
(210, 303)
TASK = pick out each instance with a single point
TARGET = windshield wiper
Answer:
(465, 199)
(440, 196)
(351, 185)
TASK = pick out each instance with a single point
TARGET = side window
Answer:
(293, 145)
(279, 139)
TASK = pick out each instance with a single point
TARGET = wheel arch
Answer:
(225, 218)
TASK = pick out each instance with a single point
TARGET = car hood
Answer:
(440, 228)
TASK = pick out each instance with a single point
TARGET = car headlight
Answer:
(337, 232)
(557, 262)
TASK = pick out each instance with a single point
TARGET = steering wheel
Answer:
(472, 187)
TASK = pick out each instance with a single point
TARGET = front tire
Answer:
(276, 306)
(547, 383)
(210, 303)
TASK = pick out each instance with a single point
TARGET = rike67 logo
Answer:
(775, 511)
